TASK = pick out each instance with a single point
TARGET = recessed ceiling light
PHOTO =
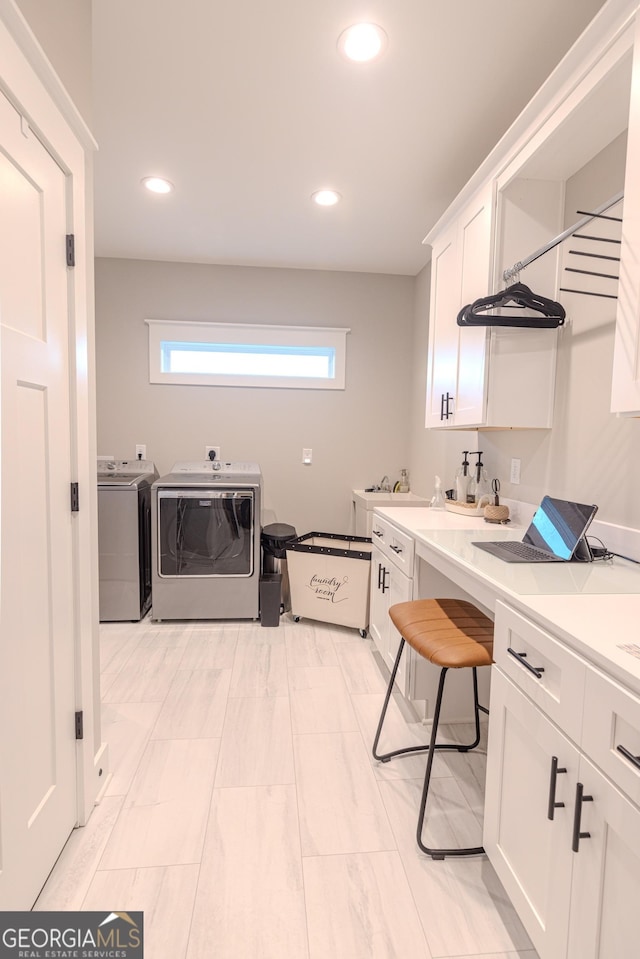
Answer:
(362, 42)
(157, 184)
(325, 197)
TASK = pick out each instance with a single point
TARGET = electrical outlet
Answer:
(515, 471)
(208, 449)
(141, 451)
(307, 457)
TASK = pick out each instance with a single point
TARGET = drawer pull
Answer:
(577, 835)
(377, 532)
(522, 659)
(396, 549)
(385, 585)
(555, 771)
(379, 575)
(634, 760)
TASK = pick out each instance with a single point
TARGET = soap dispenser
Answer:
(437, 500)
(462, 479)
(403, 485)
(479, 483)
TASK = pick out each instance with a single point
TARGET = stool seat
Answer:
(448, 632)
(451, 634)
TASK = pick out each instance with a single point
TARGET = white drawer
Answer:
(611, 721)
(397, 546)
(550, 674)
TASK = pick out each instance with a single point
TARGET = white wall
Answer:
(357, 435)
(590, 455)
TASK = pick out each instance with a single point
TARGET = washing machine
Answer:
(206, 541)
(124, 538)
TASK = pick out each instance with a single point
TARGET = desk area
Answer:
(594, 606)
(562, 796)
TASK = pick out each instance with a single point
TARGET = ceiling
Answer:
(247, 107)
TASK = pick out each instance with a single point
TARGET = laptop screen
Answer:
(558, 526)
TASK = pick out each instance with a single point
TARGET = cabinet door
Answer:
(400, 591)
(530, 852)
(461, 270)
(475, 267)
(443, 330)
(606, 872)
(379, 604)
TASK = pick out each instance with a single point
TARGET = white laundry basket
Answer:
(329, 576)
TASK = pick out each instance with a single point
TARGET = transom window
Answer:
(226, 354)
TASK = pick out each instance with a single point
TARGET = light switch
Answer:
(307, 457)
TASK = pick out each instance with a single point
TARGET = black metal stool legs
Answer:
(441, 853)
(430, 750)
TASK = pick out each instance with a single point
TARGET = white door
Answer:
(37, 732)
(606, 872)
(378, 603)
(400, 589)
(443, 332)
(475, 255)
(530, 851)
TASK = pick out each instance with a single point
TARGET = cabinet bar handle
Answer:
(449, 400)
(553, 805)
(379, 575)
(522, 659)
(442, 406)
(385, 585)
(577, 816)
(396, 549)
(634, 760)
(378, 532)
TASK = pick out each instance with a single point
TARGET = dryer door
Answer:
(205, 533)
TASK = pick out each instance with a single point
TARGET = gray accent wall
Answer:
(357, 435)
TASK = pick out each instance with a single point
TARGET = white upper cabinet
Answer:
(460, 268)
(504, 377)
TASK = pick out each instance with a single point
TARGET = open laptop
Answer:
(556, 535)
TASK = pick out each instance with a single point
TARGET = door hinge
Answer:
(71, 249)
(80, 725)
(75, 498)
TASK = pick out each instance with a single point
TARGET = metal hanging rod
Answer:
(517, 267)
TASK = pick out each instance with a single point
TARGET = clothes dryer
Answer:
(206, 541)
(124, 538)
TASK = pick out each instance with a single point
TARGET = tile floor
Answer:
(245, 815)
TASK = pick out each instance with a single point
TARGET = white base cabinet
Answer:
(388, 586)
(394, 579)
(563, 837)
(531, 854)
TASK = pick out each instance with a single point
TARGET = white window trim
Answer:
(248, 333)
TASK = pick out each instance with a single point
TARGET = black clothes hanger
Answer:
(479, 313)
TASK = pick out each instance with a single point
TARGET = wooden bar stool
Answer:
(452, 634)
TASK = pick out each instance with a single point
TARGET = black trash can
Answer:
(274, 541)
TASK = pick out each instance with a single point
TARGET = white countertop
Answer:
(369, 499)
(593, 607)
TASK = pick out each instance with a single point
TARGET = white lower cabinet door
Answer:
(379, 604)
(400, 589)
(606, 871)
(531, 775)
